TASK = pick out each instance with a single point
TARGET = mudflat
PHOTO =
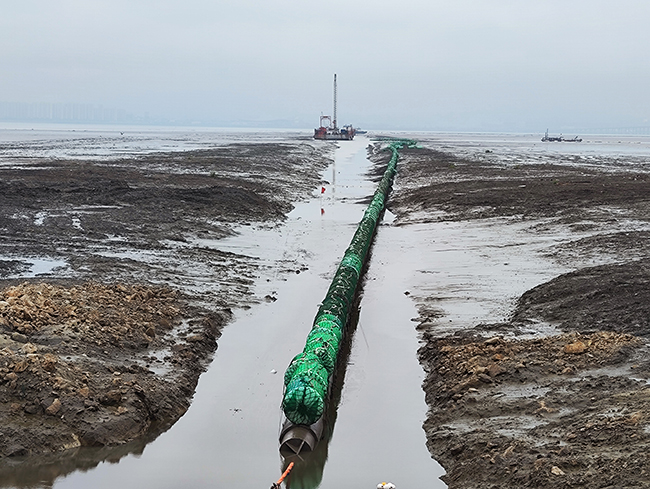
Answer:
(555, 394)
(102, 352)
(105, 349)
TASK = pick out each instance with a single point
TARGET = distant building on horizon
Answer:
(63, 112)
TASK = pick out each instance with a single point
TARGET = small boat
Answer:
(559, 139)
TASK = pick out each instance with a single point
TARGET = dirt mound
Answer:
(126, 314)
(75, 363)
(536, 413)
(607, 297)
(463, 363)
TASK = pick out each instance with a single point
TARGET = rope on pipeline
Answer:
(307, 378)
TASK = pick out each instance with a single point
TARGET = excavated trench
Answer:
(234, 421)
(517, 269)
(229, 435)
(310, 376)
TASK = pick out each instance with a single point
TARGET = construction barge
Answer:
(328, 127)
(559, 139)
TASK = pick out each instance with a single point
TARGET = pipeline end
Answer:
(297, 438)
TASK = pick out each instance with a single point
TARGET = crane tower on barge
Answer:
(328, 128)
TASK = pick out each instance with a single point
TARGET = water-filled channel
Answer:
(229, 436)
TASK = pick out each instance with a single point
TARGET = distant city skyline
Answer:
(57, 112)
(62, 112)
(85, 113)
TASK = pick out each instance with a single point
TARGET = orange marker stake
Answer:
(282, 477)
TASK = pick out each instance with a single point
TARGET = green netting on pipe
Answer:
(352, 260)
(325, 351)
(319, 383)
(320, 337)
(326, 319)
(306, 364)
(302, 404)
(333, 310)
(288, 373)
(327, 326)
(308, 375)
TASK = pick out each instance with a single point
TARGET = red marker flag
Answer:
(322, 190)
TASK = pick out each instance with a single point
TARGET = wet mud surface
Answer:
(103, 344)
(557, 394)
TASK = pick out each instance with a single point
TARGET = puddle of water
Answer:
(522, 391)
(76, 223)
(43, 267)
(611, 371)
(507, 425)
(39, 266)
(229, 436)
(479, 268)
(39, 218)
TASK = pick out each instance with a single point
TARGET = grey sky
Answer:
(410, 64)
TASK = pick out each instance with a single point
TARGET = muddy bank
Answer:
(150, 216)
(79, 368)
(104, 347)
(557, 394)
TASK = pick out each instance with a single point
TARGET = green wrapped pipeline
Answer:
(309, 374)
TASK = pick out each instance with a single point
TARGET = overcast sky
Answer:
(491, 65)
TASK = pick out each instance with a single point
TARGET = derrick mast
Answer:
(334, 121)
(329, 128)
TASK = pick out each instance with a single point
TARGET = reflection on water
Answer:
(44, 470)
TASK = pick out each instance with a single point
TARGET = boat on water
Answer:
(328, 128)
(559, 139)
